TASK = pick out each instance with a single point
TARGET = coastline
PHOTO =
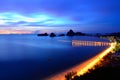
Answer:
(85, 66)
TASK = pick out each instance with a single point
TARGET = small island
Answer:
(69, 33)
(44, 34)
(52, 35)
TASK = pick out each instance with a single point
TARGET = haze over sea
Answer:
(29, 57)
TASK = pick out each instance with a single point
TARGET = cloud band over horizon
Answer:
(83, 15)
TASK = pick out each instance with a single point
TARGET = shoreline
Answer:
(85, 66)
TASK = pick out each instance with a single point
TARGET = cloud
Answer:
(33, 19)
(59, 13)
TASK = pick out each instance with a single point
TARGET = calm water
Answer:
(28, 57)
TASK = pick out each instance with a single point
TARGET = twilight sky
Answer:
(38, 16)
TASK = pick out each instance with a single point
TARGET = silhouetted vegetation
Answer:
(45, 34)
(114, 39)
(113, 34)
(52, 35)
(117, 49)
(102, 73)
(70, 75)
(117, 34)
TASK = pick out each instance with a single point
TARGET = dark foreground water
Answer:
(28, 57)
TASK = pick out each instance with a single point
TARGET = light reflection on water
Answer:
(29, 57)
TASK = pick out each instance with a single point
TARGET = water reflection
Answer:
(27, 57)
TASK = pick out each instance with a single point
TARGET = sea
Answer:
(30, 57)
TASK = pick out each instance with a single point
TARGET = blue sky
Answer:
(31, 16)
